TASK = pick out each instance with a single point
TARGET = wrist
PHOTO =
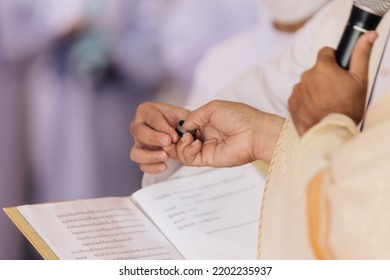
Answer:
(266, 136)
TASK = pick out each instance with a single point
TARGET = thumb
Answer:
(200, 117)
(326, 54)
(361, 55)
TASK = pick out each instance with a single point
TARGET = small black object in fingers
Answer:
(180, 130)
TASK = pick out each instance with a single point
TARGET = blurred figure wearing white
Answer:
(278, 20)
(25, 31)
(12, 154)
(83, 92)
(66, 104)
(79, 69)
(190, 28)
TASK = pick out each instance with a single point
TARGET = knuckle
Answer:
(132, 125)
(139, 109)
(295, 90)
(144, 168)
(291, 102)
(143, 107)
(215, 103)
(305, 76)
(133, 154)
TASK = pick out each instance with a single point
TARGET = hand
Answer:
(153, 129)
(232, 134)
(327, 88)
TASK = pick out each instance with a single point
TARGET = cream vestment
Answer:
(328, 195)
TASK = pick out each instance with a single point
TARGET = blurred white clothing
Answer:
(12, 157)
(268, 86)
(25, 30)
(293, 11)
(191, 26)
(78, 116)
(73, 139)
(226, 61)
(27, 26)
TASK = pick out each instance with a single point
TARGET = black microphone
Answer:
(365, 16)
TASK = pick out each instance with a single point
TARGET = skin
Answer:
(156, 141)
(327, 88)
(289, 28)
(153, 130)
(235, 134)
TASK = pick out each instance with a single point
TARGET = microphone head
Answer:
(378, 7)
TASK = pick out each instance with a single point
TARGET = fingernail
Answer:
(164, 141)
(162, 156)
(193, 144)
(185, 138)
(373, 36)
(162, 167)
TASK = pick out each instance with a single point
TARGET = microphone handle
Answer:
(360, 21)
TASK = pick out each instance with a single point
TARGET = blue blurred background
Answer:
(71, 76)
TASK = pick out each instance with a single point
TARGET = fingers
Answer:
(188, 150)
(150, 160)
(155, 168)
(171, 151)
(301, 106)
(326, 55)
(160, 124)
(151, 137)
(361, 55)
(141, 155)
(327, 88)
(154, 124)
(201, 116)
(297, 108)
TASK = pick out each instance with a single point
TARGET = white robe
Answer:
(328, 194)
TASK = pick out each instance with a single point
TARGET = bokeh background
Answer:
(71, 76)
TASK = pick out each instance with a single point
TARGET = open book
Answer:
(210, 215)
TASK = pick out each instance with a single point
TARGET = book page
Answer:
(213, 215)
(102, 228)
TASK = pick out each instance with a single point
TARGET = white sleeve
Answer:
(269, 86)
(344, 211)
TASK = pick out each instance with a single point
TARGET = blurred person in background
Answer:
(277, 22)
(25, 32)
(84, 91)
(71, 78)
(190, 28)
